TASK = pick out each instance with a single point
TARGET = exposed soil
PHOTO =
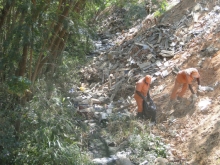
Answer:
(200, 131)
(199, 141)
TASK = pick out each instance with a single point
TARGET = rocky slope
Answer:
(186, 36)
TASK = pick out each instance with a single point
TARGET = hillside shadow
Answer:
(203, 150)
(183, 109)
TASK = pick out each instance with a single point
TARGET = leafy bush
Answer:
(18, 85)
(140, 141)
(147, 144)
(50, 132)
(8, 142)
(162, 8)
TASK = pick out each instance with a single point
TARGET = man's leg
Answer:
(139, 102)
(173, 95)
(183, 91)
(174, 91)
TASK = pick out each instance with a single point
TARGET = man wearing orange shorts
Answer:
(184, 78)
(141, 91)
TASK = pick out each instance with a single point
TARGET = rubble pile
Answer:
(124, 56)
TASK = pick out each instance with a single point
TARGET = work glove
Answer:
(194, 98)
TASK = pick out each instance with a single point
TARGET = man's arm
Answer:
(194, 96)
(139, 93)
(148, 97)
(198, 81)
(190, 87)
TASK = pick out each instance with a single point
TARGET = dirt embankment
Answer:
(198, 127)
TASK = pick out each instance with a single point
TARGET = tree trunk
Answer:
(5, 12)
(23, 62)
(59, 25)
(30, 62)
(79, 6)
(57, 28)
(55, 51)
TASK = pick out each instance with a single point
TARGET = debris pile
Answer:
(124, 56)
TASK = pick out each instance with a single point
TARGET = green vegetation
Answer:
(162, 8)
(18, 85)
(138, 136)
(147, 144)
